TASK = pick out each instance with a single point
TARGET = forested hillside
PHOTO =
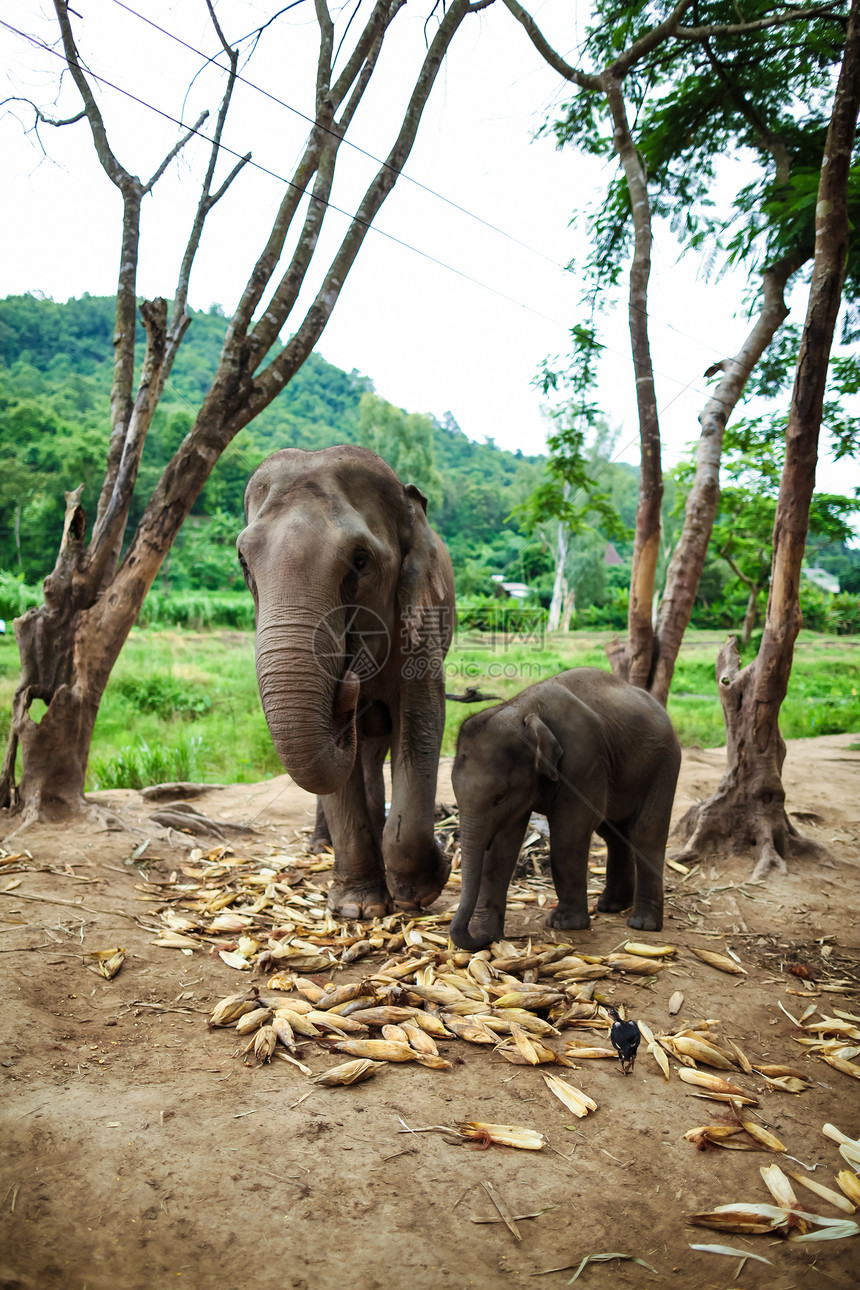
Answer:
(55, 373)
(55, 376)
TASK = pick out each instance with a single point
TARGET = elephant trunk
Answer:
(309, 697)
(472, 849)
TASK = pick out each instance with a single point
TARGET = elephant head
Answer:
(333, 549)
(503, 762)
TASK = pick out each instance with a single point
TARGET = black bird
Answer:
(624, 1037)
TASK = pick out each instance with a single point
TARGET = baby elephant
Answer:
(591, 753)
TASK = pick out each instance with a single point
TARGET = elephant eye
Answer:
(360, 559)
(499, 798)
(247, 575)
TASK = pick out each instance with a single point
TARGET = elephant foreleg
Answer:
(500, 859)
(358, 888)
(415, 868)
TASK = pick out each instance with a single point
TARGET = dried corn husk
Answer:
(251, 1021)
(676, 1003)
(654, 1048)
(527, 1020)
(176, 941)
(108, 962)
(419, 1039)
(712, 1082)
(582, 1052)
(284, 1033)
(788, 1083)
(850, 1184)
(721, 961)
(529, 999)
(354, 1072)
(228, 1011)
(380, 1050)
(745, 1219)
(234, 960)
(840, 1064)
(573, 1098)
(337, 1024)
(263, 1043)
(717, 1135)
(743, 1060)
(469, 1030)
(635, 965)
(299, 1022)
(697, 1049)
(396, 1033)
(506, 1135)
(826, 1193)
(756, 1130)
(650, 951)
(779, 1186)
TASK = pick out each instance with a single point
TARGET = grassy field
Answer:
(184, 704)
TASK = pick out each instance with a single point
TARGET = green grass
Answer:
(184, 704)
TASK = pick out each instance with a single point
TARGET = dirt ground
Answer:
(139, 1151)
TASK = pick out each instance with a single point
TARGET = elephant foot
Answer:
(610, 903)
(646, 920)
(567, 919)
(318, 846)
(358, 903)
(417, 890)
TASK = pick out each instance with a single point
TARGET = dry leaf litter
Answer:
(538, 1004)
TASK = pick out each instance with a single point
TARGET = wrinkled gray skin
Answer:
(354, 597)
(591, 753)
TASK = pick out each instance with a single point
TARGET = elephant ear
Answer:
(547, 750)
(421, 590)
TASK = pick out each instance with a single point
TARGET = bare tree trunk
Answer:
(688, 558)
(748, 808)
(567, 610)
(748, 626)
(559, 586)
(639, 654)
(69, 645)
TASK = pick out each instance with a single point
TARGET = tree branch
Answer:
(113, 169)
(760, 24)
(147, 188)
(546, 51)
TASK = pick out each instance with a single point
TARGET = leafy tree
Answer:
(92, 598)
(723, 85)
(405, 441)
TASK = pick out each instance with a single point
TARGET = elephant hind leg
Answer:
(320, 839)
(620, 889)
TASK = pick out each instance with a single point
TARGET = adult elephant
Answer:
(354, 597)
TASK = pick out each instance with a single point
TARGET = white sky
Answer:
(468, 337)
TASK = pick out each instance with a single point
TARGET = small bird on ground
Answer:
(624, 1037)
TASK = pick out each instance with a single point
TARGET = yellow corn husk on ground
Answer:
(107, 962)
(634, 964)
(334, 1022)
(721, 961)
(430, 1024)
(699, 1050)
(283, 1032)
(850, 1184)
(788, 1083)
(840, 1064)
(826, 1193)
(756, 1130)
(353, 1072)
(282, 981)
(714, 1083)
(397, 1033)
(419, 1039)
(264, 1043)
(384, 1015)
(573, 1098)
(676, 1003)
(251, 1021)
(529, 999)
(743, 1060)
(654, 1048)
(582, 1051)
(716, 1135)
(779, 1186)
(228, 1011)
(529, 1022)
(505, 1135)
(176, 941)
(469, 1030)
(379, 1050)
(650, 951)
(299, 1022)
(745, 1219)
